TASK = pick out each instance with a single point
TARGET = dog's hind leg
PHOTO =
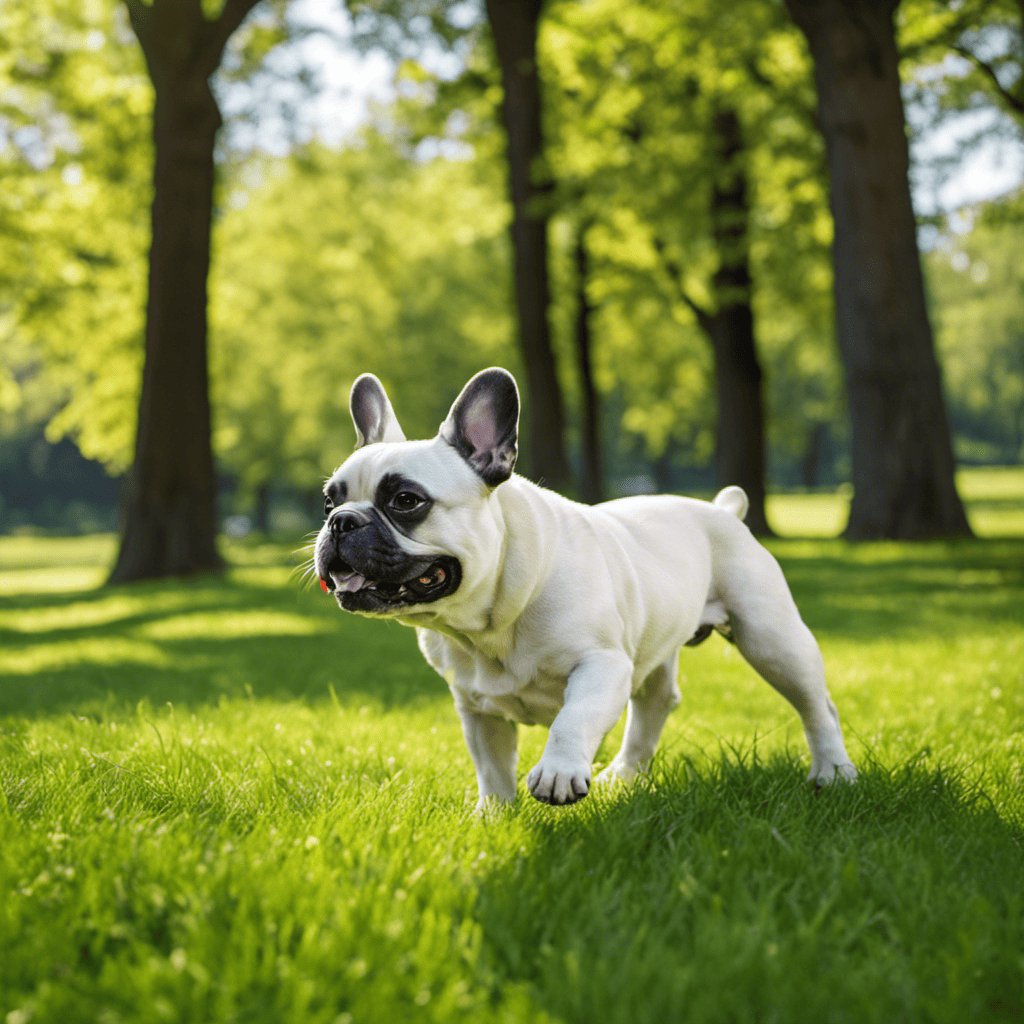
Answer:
(771, 635)
(649, 707)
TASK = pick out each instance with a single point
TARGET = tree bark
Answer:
(810, 464)
(661, 467)
(592, 476)
(739, 451)
(169, 501)
(514, 28)
(261, 509)
(902, 455)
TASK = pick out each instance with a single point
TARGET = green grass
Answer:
(994, 497)
(224, 801)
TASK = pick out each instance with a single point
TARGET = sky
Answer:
(992, 169)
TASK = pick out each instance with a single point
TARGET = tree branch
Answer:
(233, 13)
(705, 319)
(1013, 102)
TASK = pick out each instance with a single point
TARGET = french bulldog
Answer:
(538, 610)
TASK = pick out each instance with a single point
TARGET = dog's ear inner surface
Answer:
(372, 414)
(483, 425)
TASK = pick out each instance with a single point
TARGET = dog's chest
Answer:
(533, 703)
(522, 692)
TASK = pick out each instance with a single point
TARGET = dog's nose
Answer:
(345, 520)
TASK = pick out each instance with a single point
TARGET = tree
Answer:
(729, 325)
(592, 483)
(684, 138)
(169, 503)
(514, 25)
(73, 101)
(902, 456)
(408, 28)
(988, 38)
(335, 262)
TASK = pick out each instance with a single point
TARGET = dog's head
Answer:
(410, 525)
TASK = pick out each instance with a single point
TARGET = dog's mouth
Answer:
(357, 592)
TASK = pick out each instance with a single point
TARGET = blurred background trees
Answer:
(626, 203)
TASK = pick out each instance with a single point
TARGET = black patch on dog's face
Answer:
(405, 502)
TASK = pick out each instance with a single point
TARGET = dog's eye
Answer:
(328, 505)
(406, 501)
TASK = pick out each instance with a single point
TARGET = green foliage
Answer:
(399, 26)
(74, 213)
(390, 254)
(986, 40)
(225, 800)
(635, 89)
(75, 104)
(332, 263)
(977, 288)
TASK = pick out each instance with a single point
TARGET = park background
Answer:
(757, 242)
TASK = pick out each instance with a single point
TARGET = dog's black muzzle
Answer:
(367, 571)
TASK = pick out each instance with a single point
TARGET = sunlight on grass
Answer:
(807, 515)
(994, 499)
(225, 625)
(110, 651)
(991, 483)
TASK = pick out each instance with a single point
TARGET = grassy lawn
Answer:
(225, 801)
(994, 497)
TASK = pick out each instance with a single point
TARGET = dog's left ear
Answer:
(372, 415)
(483, 425)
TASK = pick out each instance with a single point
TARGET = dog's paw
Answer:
(617, 771)
(491, 806)
(827, 774)
(554, 782)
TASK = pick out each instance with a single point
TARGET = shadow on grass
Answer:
(194, 644)
(735, 892)
(876, 591)
(103, 651)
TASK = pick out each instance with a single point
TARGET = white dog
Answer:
(536, 609)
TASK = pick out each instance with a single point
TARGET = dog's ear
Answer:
(372, 414)
(483, 425)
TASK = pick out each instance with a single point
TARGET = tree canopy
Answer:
(390, 252)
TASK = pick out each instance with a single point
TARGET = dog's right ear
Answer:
(372, 414)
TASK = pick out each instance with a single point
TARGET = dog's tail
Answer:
(733, 499)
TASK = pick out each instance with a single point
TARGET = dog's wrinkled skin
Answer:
(536, 609)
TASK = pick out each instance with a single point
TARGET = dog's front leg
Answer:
(492, 746)
(596, 694)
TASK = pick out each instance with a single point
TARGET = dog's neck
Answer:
(526, 559)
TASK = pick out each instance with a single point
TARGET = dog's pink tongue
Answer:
(354, 582)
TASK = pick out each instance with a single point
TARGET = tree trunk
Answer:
(261, 509)
(170, 495)
(902, 456)
(739, 392)
(661, 467)
(810, 464)
(592, 478)
(514, 28)
(739, 452)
